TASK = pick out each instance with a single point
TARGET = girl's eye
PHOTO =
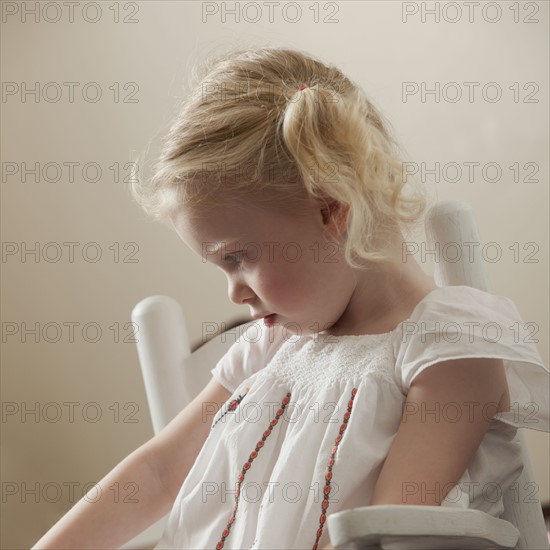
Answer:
(235, 258)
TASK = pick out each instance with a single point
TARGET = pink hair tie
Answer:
(303, 88)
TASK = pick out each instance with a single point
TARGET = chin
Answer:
(295, 328)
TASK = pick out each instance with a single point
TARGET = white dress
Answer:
(312, 418)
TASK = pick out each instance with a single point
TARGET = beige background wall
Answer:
(70, 379)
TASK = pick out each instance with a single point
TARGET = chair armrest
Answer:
(411, 527)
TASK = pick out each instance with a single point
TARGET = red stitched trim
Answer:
(246, 466)
(232, 405)
(328, 475)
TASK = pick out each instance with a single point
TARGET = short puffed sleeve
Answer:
(455, 322)
(252, 350)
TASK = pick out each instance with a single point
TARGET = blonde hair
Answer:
(247, 134)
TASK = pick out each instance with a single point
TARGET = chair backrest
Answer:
(449, 226)
(173, 375)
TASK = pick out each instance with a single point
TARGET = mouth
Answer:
(261, 316)
(269, 320)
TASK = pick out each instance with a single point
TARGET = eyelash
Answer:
(231, 256)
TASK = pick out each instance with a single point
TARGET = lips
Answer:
(261, 316)
(269, 320)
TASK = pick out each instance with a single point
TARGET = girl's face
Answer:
(275, 263)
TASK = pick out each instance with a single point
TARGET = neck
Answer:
(385, 294)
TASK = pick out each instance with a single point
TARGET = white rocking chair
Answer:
(174, 375)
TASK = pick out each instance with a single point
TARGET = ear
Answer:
(335, 216)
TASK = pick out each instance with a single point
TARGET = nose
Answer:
(238, 291)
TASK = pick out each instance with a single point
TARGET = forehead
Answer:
(219, 224)
(254, 220)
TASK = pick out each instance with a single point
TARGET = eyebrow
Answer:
(218, 245)
(214, 250)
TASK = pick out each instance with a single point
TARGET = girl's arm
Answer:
(147, 482)
(434, 443)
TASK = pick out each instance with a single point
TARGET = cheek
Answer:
(277, 282)
(273, 286)
(295, 282)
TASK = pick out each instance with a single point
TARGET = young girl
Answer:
(281, 173)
